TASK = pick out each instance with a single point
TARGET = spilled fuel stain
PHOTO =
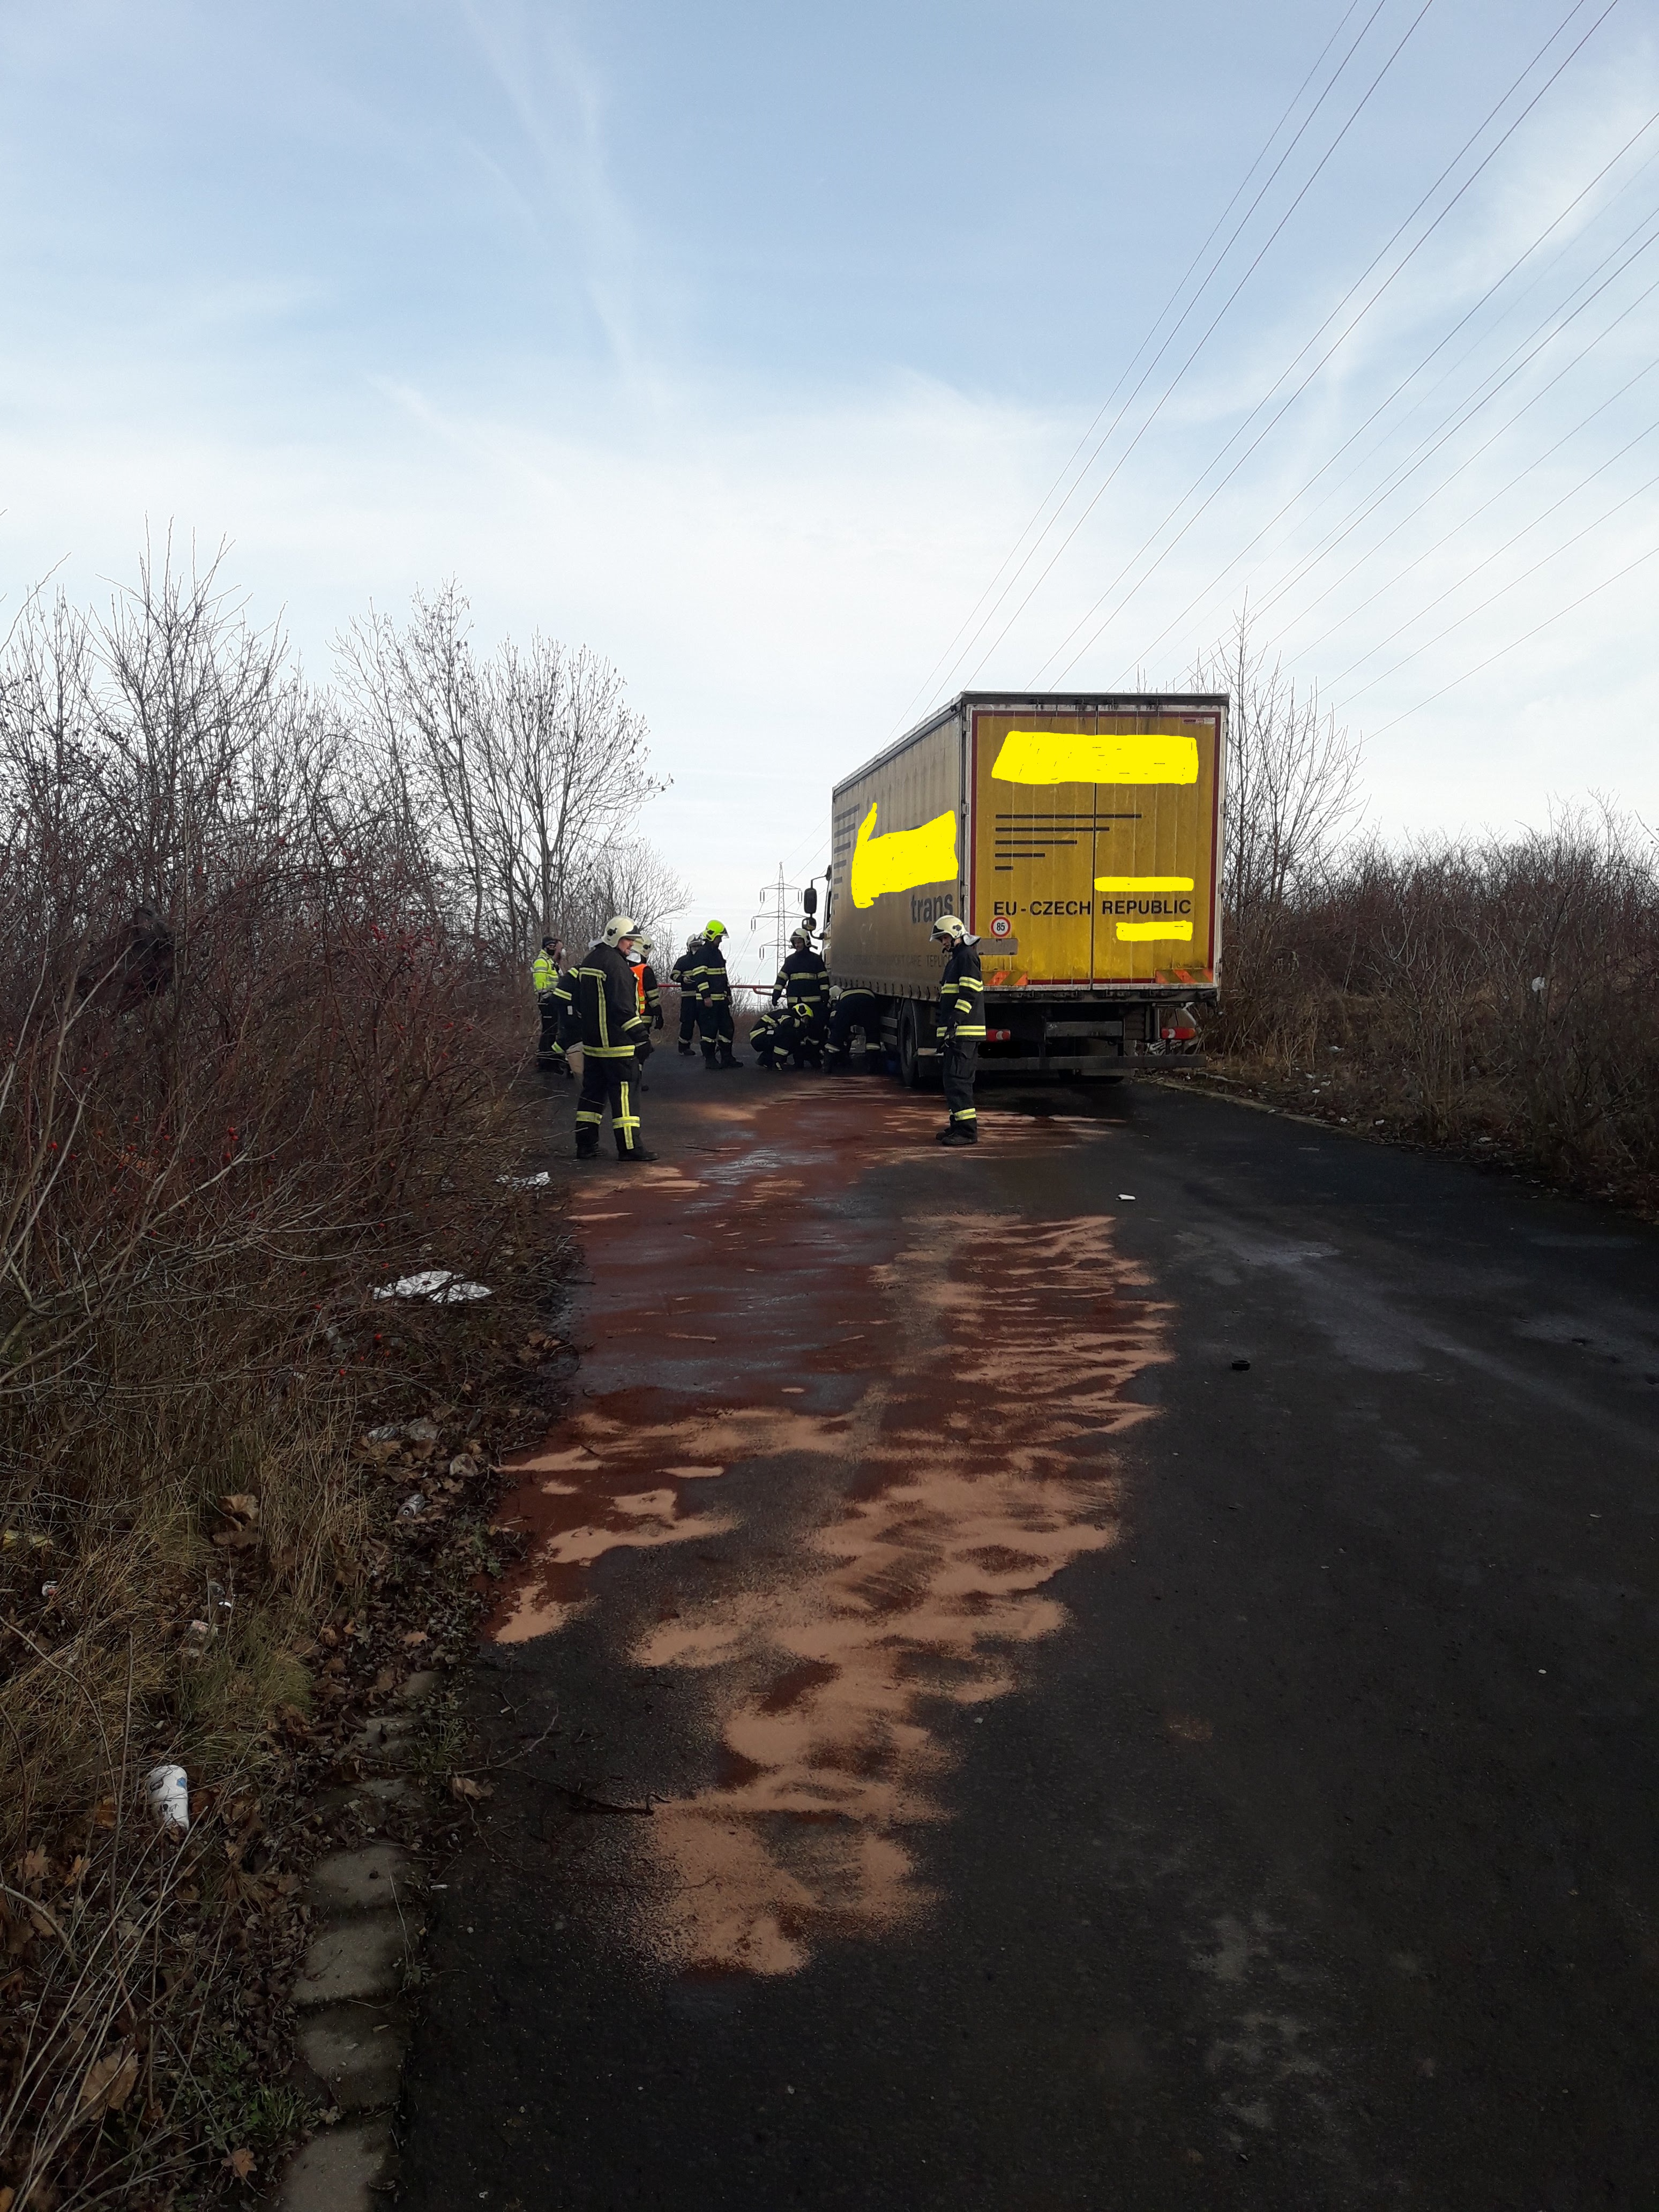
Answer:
(965, 1378)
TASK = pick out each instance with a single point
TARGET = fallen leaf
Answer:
(416, 1636)
(242, 1506)
(103, 1813)
(238, 1539)
(240, 2162)
(34, 1867)
(464, 1787)
(7, 2196)
(77, 1867)
(109, 2080)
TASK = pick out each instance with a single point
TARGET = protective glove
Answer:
(657, 1023)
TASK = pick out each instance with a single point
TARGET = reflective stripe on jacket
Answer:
(804, 982)
(543, 973)
(961, 996)
(607, 1004)
(707, 972)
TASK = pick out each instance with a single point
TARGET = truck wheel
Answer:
(909, 1044)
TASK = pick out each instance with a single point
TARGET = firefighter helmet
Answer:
(618, 927)
(714, 931)
(951, 926)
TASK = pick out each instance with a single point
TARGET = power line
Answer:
(944, 658)
(1341, 337)
(1169, 390)
(1554, 553)
(1418, 560)
(1392, 480)
(1526, 638)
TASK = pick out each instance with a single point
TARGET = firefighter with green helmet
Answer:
(714, 987)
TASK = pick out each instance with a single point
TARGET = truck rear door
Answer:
(1094, 846)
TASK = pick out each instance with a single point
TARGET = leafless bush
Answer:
(626, 877)
(529, 765)
(254, 947)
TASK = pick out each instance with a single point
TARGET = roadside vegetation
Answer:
(1497, 994)
(263, 997)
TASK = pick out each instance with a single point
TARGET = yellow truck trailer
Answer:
(1079, 838)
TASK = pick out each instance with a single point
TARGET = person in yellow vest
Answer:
(553, 1004)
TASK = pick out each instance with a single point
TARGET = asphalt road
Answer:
(1003, 1752)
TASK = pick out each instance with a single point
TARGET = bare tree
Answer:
(626, 877)
(1292, 776)
(527, 763)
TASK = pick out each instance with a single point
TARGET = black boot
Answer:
(708, 1058)
(629, 1159)
(685, 1052)
(959, 1133)
(731, 1060)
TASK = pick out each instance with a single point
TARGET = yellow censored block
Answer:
(1118, 757)
(903, 859)
(1142, 883)
(1154, 932)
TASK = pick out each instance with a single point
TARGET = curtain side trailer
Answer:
(1080, 837)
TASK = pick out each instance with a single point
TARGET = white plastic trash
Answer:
(168, 1789)
(525, 1182)
(441, 1284)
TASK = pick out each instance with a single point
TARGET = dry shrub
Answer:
(1496, 989)
(248, 1065)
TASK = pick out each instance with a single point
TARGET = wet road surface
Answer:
(1006, 1754)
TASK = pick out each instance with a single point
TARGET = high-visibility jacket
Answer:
(707, 971)
(961, 996)
(653, 992)
(607, 1004)
(543, 973)
(804, 980)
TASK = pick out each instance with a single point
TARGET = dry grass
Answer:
(1497, 994)
(219, 1131)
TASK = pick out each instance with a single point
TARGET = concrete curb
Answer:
(350, 1993)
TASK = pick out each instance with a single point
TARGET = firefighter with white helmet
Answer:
(606, 1002)
(803, 982)
(961, 1026)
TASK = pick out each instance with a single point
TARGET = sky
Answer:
(749, 345)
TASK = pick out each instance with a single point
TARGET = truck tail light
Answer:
(999, 1036)
(1180, 1027)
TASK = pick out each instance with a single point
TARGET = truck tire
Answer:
(909, 1046)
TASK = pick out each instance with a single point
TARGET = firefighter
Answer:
(606, 1001)
(553, 1003)
(804, 981)
(684, 974)
(849, 1011)
(648, 996)
(961, 1026)
(714, 1000)
(766, 1037)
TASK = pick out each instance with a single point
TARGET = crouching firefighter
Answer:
(606, 1000)
(961, 1027)
(852, 1010)
(553, 1004)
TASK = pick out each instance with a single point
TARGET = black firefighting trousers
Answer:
(607, 1083)
(961, 1059)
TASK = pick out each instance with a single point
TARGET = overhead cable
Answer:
(1209, 333)
(923, 687)
(1396, 476)
(1341, 337)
